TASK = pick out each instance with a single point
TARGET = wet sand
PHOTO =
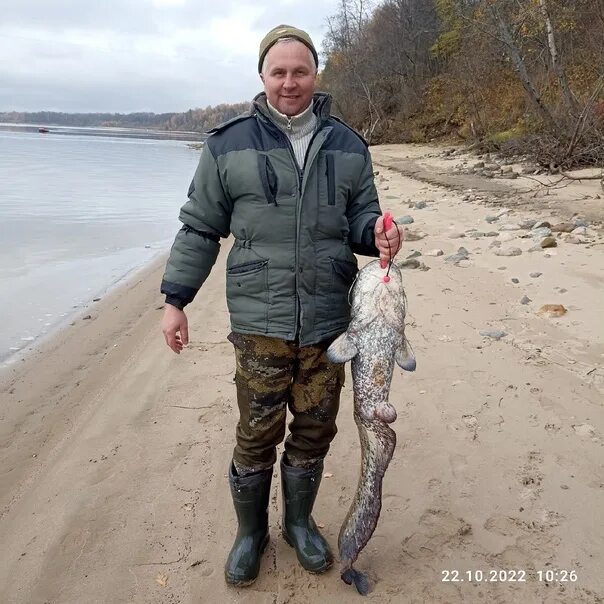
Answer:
(114, 450)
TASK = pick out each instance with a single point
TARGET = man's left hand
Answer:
(388, 242)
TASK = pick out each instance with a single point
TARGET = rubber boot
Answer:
(300, 487)
(250, 497)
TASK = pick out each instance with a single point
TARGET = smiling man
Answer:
(294, 186)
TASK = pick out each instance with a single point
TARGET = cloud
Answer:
(134, 55)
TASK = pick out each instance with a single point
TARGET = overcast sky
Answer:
(139, 55)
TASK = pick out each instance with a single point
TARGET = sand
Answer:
(115, 450)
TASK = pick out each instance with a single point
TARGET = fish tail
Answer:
(360, 580)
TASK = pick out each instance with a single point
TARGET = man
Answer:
(294, 186)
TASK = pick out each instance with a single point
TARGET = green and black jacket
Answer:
(295, 231)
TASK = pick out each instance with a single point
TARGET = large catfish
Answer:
(375, 340)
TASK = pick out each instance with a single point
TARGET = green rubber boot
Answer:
(250, 497)
(300, 487)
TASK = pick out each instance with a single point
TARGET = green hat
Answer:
(285, 31)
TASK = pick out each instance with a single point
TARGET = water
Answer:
(77, 213)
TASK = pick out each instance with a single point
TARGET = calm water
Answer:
(77, 213)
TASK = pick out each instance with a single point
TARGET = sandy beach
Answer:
(113, 483)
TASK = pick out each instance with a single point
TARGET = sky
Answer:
(122, 56)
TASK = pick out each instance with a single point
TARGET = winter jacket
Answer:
(296, 231)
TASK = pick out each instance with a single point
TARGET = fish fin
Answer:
(342, 349)
(405, 358)
(360, 580)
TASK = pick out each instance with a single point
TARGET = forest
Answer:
(519, 76)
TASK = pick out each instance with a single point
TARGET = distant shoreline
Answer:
(106, 131)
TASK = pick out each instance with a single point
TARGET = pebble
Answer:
(496, 334)
(528, 223)
(491, 219)
(535, 275)
(514, 280)
(525, 300)
(510, 226)
(457, 235)
(415, 254)
(574, 240)
(86, 317)
(505, 237)
(563, 227)
(541, 232)
(552, 310)
(405, 220)
(436, 252)
(548, 242)
(579, 231)
(510, 251)
(479, 164)
(420, 205)
(462, 254)
(412, 263)
(542, 223)
(579, 222)
(414, 235)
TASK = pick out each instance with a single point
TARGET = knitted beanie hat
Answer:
(285, 31)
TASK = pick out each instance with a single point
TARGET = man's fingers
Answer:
(184, 334)
(379, 225)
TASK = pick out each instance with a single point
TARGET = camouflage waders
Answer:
(273, 374)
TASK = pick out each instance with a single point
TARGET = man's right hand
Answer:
(175, 328)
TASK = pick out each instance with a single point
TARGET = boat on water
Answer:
(43, 130)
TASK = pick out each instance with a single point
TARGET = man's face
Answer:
(289, 77)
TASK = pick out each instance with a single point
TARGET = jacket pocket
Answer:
(330, 174)
(343, 273)
(268, 176)
(247, 268)
(248, 294)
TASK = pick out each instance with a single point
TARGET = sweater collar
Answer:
(296, 125)
(321, 106)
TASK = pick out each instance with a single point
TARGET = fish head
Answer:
(371, 294)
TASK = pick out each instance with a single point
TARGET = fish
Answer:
(374, 341)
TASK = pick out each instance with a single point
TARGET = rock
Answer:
(496, 334)
(573, 239)
(385, 188)
(491, 234)
(414, 235)
(462, 254)
(514, 280)
(542, 223)
(510, 226)
(457, 235)
(579, 231)
(479, 164)
(507, 169)
(491, 219)
(503, 212)
(525, 300)
(528, 170)
(548, 242)
(510, 251)
(414, 254)
(420, 205)
(535, 275)
(563, 227)
(436, 252)
(412, 263)
(527, 224)
(492, 167)
(579, 222)
(474, 234)
(405, 220)
(505, 237)
(552, 310)
(541, 232)
(96, 299)
(512, 175)
(464, 263)
(86, 317)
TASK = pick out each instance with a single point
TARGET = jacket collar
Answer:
(321, 107)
